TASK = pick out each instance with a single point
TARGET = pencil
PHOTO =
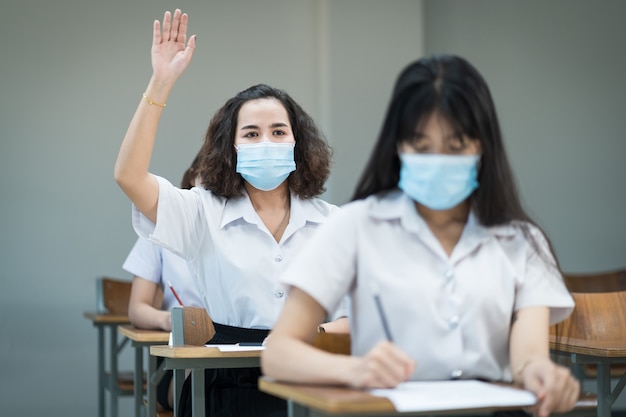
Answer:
(383, 317)
(175, 294)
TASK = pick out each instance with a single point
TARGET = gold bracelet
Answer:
(150, 101)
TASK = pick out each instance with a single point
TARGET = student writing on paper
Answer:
(263, 163)
(436, 232)
(153, 268)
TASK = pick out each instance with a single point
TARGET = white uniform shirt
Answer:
(155, 264)
(234, 259)
(451, 314)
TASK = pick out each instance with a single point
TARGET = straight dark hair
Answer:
(451, 87)
(218, 158)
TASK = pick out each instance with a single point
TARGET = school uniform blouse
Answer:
(153, 263)
(452, 314)
(234, 259)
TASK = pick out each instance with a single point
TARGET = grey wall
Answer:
(72, 72)
(556, 69)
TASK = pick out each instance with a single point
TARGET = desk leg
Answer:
(197, 392)
(604, 389)
(153, 380)
(179, 380)
(113, 387)
(101, 377)
(138, 379)
(296, 410)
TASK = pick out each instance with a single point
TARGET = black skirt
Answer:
(234, 392)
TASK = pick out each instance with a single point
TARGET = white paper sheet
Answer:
(236, 348)
(454, 395)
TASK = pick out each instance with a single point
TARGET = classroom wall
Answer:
(556, 69)
(72, 73)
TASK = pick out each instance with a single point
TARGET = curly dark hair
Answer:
(218, 158)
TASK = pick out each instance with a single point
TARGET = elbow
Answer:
(268, 367)
(121, 177)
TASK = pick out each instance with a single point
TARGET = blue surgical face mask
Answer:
(439, 182)
(265, 165)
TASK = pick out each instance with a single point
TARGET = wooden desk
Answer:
(603, 354)
(305, 400)
(140, 339)
(197, 359)
(102, 322)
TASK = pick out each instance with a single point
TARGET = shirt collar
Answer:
(302, 211)
(396, 205)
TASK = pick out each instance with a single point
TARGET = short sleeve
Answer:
(179, 227)
(542, 283)
(325, 267)
(144, 261)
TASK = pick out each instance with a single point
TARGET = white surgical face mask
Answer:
(265, 165)
(439, 182)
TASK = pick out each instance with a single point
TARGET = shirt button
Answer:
(279, 294)
(453, 322)
(449, 274)
(278, 258)
(456, 373)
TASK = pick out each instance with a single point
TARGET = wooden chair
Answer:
(333, 342)
(112, 297)
(594, 336)
(191, 326)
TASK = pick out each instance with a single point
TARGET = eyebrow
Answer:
(273, 125)
(453, 135)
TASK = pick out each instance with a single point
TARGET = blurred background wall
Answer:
(72, 73)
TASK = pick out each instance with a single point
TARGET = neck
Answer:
(277, 198)
(438, 219)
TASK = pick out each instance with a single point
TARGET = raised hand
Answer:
(171, 53)
(385, 366)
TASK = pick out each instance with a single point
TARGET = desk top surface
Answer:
(199, 352)
(144, 335)
(105, 318)
(343, 400)
(329, 399)
(600, 348)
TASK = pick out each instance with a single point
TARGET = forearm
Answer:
(133, 161)
(296, 361)
(528, 341)
(145, 316)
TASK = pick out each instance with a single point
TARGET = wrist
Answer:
(158, 89)
(518, 373)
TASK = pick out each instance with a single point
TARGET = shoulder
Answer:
(315, 209)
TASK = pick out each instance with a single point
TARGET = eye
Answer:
(251, 135)
(279, 133)
(457, 143)
(417, 144)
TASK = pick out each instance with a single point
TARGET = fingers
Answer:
(156, 33)
(167, 26)
(182, 28)
(385, 366)
(556, 389)
(174, 27)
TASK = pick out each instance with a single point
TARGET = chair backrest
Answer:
(112, 295)
(596, 282)
(191, 326)
(600, 311)
(333, 342)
